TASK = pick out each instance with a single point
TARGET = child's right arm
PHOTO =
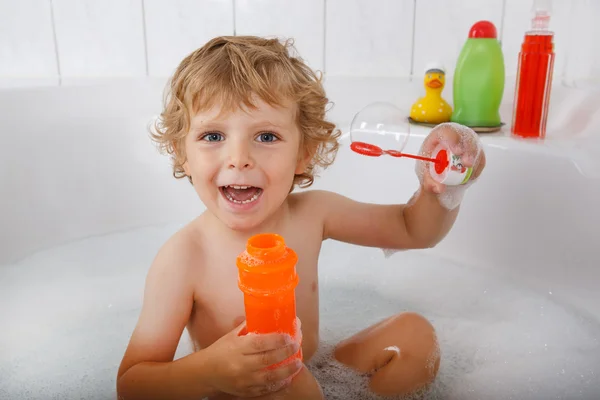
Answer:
(233, 364)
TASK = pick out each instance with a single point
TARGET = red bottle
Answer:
(534, 77)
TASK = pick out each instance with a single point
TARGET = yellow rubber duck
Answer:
(432, 109)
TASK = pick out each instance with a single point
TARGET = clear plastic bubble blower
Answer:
(382, 129)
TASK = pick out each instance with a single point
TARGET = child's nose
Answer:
(240, 157)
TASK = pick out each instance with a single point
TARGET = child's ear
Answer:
(185, 165)
(303, 161)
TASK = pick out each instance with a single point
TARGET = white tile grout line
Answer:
(54, 38)
(234, 18)
(324, 37)
(145, 38)
(413, 39)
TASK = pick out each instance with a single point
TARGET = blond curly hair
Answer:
(228, 71)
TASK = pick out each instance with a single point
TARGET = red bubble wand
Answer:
(366, 149)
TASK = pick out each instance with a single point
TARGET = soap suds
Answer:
(393, 348)
(497, 340)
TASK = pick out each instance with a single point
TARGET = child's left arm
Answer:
(421, 223)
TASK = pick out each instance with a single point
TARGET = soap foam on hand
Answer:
(467, 145)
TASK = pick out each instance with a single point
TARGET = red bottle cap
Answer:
(483, 30)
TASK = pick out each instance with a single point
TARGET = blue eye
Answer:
(212, 137)
(267, 137)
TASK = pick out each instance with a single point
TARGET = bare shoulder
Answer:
(312, 199)
(312, 207)
(311, 203)
(318, 202)
(176, 255)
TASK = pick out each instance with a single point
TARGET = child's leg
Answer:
(304, 386)
(401, 351)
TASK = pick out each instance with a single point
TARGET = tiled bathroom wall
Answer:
(52, 42)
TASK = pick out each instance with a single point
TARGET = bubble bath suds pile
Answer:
(72, 308)
(498, 340)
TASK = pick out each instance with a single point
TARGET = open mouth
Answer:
(238, 194)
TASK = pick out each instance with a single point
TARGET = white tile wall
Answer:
(581, 47)
(175, 28)
(372, 38)
(300, 20)
(101, 39)
(27, 52)
(443, 27)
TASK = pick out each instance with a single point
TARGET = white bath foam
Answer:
(395, 349)
(341, 383)
(498, 341)
(67, 314)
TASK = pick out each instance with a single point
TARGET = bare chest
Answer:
(219, 305)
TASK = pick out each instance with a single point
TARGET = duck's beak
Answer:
(434, 84)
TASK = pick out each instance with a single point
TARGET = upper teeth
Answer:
(239, 187)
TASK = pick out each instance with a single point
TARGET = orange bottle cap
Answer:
(267, 266)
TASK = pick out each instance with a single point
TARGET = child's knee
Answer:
(411, 357)
(417, 338)
(401, 353)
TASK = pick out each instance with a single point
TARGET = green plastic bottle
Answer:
(479, 79)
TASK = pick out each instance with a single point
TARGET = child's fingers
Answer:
(477, 169)
(436, 187)
(474, 158)
(276, 379)
(240, 328)
(432, 185)
(239, 321)
(272, 357)
(445, 136)
(259, 343)
(453, 141)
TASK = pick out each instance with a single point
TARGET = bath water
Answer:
(67, 313)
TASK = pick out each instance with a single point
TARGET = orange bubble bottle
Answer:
(267, 276)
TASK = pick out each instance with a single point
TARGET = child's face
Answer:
(243, 163)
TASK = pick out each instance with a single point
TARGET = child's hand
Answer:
(240, 362)
(462, 141)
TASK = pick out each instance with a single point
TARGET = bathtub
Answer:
(513, 290)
